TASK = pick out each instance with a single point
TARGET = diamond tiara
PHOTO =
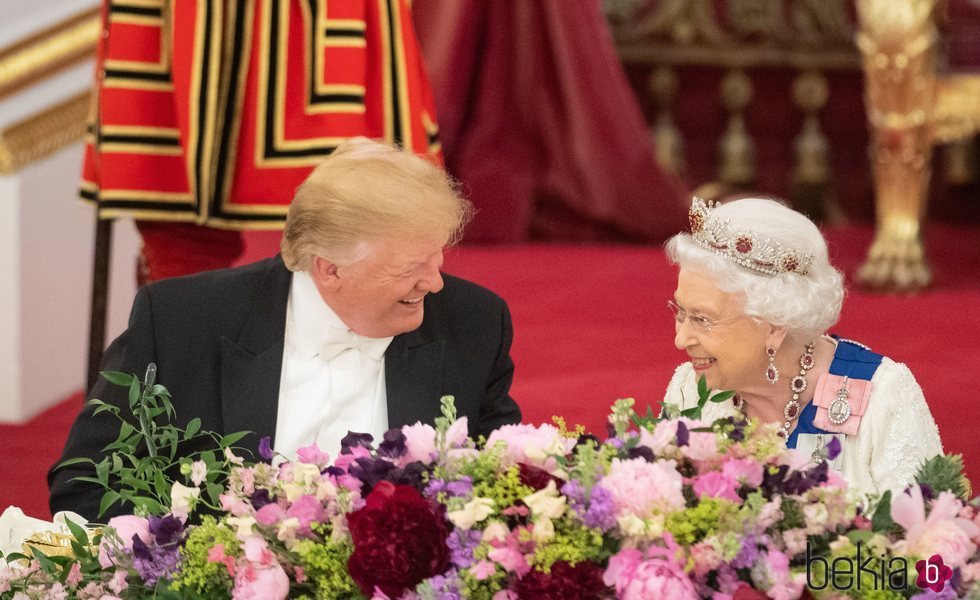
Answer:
(742, 246)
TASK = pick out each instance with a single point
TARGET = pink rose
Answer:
(261, 583)
(656, 575)
(638, 487)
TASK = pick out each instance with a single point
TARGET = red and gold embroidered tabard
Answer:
(214, 111)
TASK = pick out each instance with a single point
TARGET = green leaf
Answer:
(46, 563)
(882, 518)
(108, 499)
(78, 531)
(702, 387)
(80, 460)
(722, 396)
(134, 394)
(120, 379)
(193, 426)
(232, 438)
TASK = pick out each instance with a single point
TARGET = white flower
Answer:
(243, 526)
(815, 516)
(182, 500)
(473, 512)
(199, 470)
(543, 530)
(546, 502)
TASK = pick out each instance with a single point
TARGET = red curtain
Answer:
(538, 121)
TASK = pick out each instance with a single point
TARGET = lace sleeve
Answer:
(902, 431)
(682, 390)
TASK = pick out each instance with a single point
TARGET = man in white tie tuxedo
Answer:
(352, 328)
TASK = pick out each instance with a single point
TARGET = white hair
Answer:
(806, 305)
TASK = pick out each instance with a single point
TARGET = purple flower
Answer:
(458, 488)
(393, 445)
(353, 440)
(683, 435)
(748, 555)
(166, 530)
(260, 498)
(445, 587)
(833, 448)
(155, 561)
(265, 448)
(642, 452)
(461, 545)
(601, 513)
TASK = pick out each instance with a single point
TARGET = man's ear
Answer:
(324, 274)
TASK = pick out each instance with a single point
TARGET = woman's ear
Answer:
(775, 336)
(324, 274)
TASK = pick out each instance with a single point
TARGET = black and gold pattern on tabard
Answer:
(272, 148)
(141, 75)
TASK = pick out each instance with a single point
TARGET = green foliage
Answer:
(325, 566)
(945, 473)
(139, 467)
(670, 411)
(209, 579)
(572, 543)
(693, 524)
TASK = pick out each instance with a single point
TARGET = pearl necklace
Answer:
(797, 385)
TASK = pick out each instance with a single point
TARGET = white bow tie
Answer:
(339, 341)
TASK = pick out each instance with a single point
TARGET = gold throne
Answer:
(911, 108)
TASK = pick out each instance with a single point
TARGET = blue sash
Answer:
(852, 359)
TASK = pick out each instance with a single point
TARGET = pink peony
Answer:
(943, 532)
(639, 487)
(659, 574)
(261, 583)
(716, 485)
(126, 527)
(531, 445)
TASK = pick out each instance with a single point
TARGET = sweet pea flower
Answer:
(243, 525)
(701, 445)
(745, 471)
(495, 531)
(182, 500)
(546, 502)
(943, 532)
(716, 485)
(307, 510)
(482, 569)
(420, 443)
(662, 436)
(199, 470)
(312, 455)
(472, 512)
(458, 433)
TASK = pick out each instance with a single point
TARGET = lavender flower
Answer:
(265, 448)
(458, 488)
(748, 555)
(461, 545)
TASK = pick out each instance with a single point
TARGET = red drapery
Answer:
(538, 120)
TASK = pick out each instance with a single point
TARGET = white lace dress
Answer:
(896, 434)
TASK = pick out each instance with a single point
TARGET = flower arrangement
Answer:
(665, 507)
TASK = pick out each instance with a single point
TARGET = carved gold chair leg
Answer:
(897, 40)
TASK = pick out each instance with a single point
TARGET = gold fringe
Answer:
(43, 134)
(49, 51)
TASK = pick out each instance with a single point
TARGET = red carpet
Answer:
(591, 325)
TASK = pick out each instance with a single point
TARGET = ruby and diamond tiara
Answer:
(742, 246)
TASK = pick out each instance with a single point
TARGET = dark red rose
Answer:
(583, 581)
(399, 540)
(747, 592)
(536, 478)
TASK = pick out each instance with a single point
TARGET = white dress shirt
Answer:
(327, 387)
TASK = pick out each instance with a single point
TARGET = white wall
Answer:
(46, 251)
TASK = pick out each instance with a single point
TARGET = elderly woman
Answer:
(755, 296)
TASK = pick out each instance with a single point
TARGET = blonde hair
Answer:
(367, 191)
(806, 305)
